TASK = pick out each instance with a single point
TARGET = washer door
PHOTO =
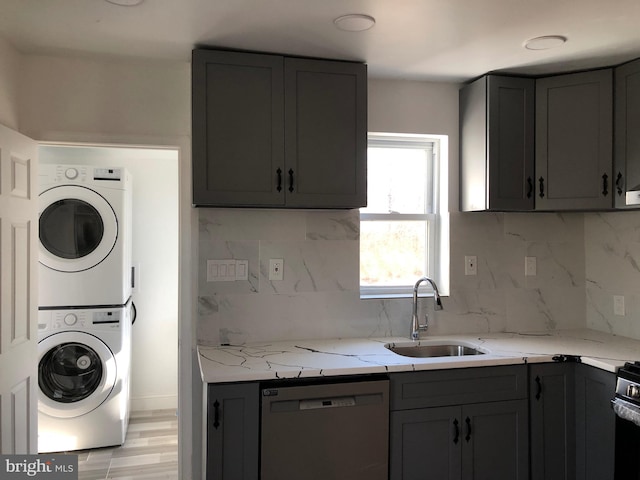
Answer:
(78, 228)
(76, 374)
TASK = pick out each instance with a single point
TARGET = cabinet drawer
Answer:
(457, 387)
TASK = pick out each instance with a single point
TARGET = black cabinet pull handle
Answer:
(456, 431)
(619, 183)
(529, 187)
(279, 185)
(291, 180)
(605, 184)
(538, 388)
(216, 414)
(541, 180)
(468, 422)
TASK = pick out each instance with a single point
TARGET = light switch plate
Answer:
(228, 270)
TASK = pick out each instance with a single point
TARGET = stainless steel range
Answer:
(626, 404)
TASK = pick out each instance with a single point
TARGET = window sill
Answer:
(391, 296)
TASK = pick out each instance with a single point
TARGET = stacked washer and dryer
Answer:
(85, 308)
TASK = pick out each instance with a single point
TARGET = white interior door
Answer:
(18, 293)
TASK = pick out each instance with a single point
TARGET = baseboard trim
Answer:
(158, 402)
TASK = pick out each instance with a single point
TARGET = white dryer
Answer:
(85, 236)
(84, 365)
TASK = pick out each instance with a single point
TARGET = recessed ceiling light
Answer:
(126, 3)
(545, 42)
(355, 23)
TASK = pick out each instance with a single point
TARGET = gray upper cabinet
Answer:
(627, 141)
(273, 131)
(238, 128)
(574, 145)
(325, 133)
(496, 144)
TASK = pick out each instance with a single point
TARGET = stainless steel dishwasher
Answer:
(325, 432)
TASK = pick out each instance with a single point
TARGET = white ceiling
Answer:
(449, 40)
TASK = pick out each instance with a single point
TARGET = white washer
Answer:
(85, 236)
(84, 365)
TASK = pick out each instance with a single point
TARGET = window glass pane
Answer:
(393, 252)
(398, 180)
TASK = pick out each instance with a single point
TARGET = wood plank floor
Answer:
(150, 451)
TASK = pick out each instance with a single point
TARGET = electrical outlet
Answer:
(470, 265)
(276, 269)
(530, 267)
(618, 305)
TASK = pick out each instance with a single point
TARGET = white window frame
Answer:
(436, 216)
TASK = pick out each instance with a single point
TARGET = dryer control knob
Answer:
(71, 173)
(70, 319)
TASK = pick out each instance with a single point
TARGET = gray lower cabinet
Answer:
(232, 439)
(574, 141)
(496, 144)
(552, 431)
(460, 424)
(595, 424)
(426, 443)
(627, 141)
(572, 423)
(274, 131)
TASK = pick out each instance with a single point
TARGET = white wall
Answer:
(155, 254)
(418, 107)
(10, 74)
(79, 98)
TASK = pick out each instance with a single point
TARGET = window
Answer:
(403, 234)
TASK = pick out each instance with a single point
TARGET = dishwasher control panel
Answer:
(327, 403)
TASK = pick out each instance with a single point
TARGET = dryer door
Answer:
(78, 228)
(76, 374)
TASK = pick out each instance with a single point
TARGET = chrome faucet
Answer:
(416, 328)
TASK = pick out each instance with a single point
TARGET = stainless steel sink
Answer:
(433, 350)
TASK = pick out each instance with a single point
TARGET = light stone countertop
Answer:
(355, 356)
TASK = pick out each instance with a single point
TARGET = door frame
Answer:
(189, 405)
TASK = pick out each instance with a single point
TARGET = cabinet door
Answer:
(496, 143)
(510, 131)
(325, 133)
(552, 433)
(425, 444)
(233, 432)
(495, 441)
(595, 424)
(574, 129)
(238, 137)
(627, 141)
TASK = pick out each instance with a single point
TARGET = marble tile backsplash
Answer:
(319, 296)
(612, 266)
